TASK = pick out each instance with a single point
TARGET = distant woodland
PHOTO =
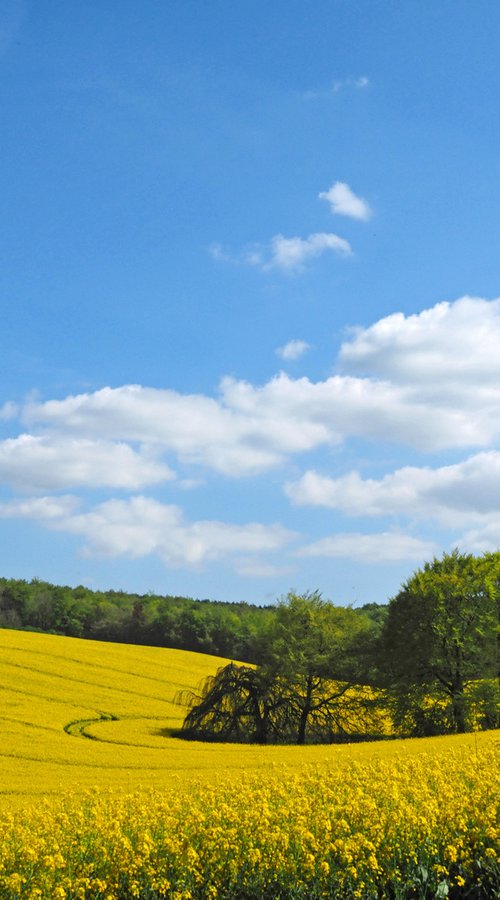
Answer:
(230, 630)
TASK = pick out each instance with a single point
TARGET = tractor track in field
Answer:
(78, 727)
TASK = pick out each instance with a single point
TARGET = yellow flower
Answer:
(451, 853)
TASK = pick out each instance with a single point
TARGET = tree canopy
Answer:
(440, 639)
(306, 687)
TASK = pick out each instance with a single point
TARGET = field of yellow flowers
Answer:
(97, 801)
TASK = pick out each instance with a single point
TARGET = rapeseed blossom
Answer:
(359, 828)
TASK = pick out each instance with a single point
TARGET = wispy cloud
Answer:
(290, 254)
(361, 82)
(384, 547)
(258, 569)
(344, 202)
(285, 254)
(217, 252)
(339, 84)
(8, 411)
(40, 509)
(293, 350)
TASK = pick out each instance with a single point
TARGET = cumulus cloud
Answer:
(140, 526)
(197, 428)
(246, 430)
(463, 497)
(430, 381)
(385, 547)
(53, 462)
(453, 495)
(293, 350)
(450, 344)
(410, 398)
(344, 202)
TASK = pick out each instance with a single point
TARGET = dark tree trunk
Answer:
(305, 711)
(262, 727)
(458, 706)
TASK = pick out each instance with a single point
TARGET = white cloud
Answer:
(385, 547)
(286, 254)
(344, 202)
(301, 414)
(449, 345)
(430, 381)
(360, 82)
(189, 484)
(41, 509)
(217, 252)
(257, 569)
(52, 462)
(247, 429)
(293, 350)
(452, 495)
(463, 497)
(140, 526)
(8, 411)
(338, 85)
(484, 539)
(290, 254)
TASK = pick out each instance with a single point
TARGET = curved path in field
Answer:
(79, 726)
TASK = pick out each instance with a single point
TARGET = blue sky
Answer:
(249, 279)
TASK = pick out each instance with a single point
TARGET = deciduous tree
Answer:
(305, 688)
(441, 635)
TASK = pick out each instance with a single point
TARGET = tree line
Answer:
(222, 629)
(429, 659)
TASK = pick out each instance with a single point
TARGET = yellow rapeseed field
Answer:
(97, 801)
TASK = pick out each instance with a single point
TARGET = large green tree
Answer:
(306, 687)
(440, 638)
(313, 648)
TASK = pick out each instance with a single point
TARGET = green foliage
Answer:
(303, 688)
(440, 637)
(221, 629)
